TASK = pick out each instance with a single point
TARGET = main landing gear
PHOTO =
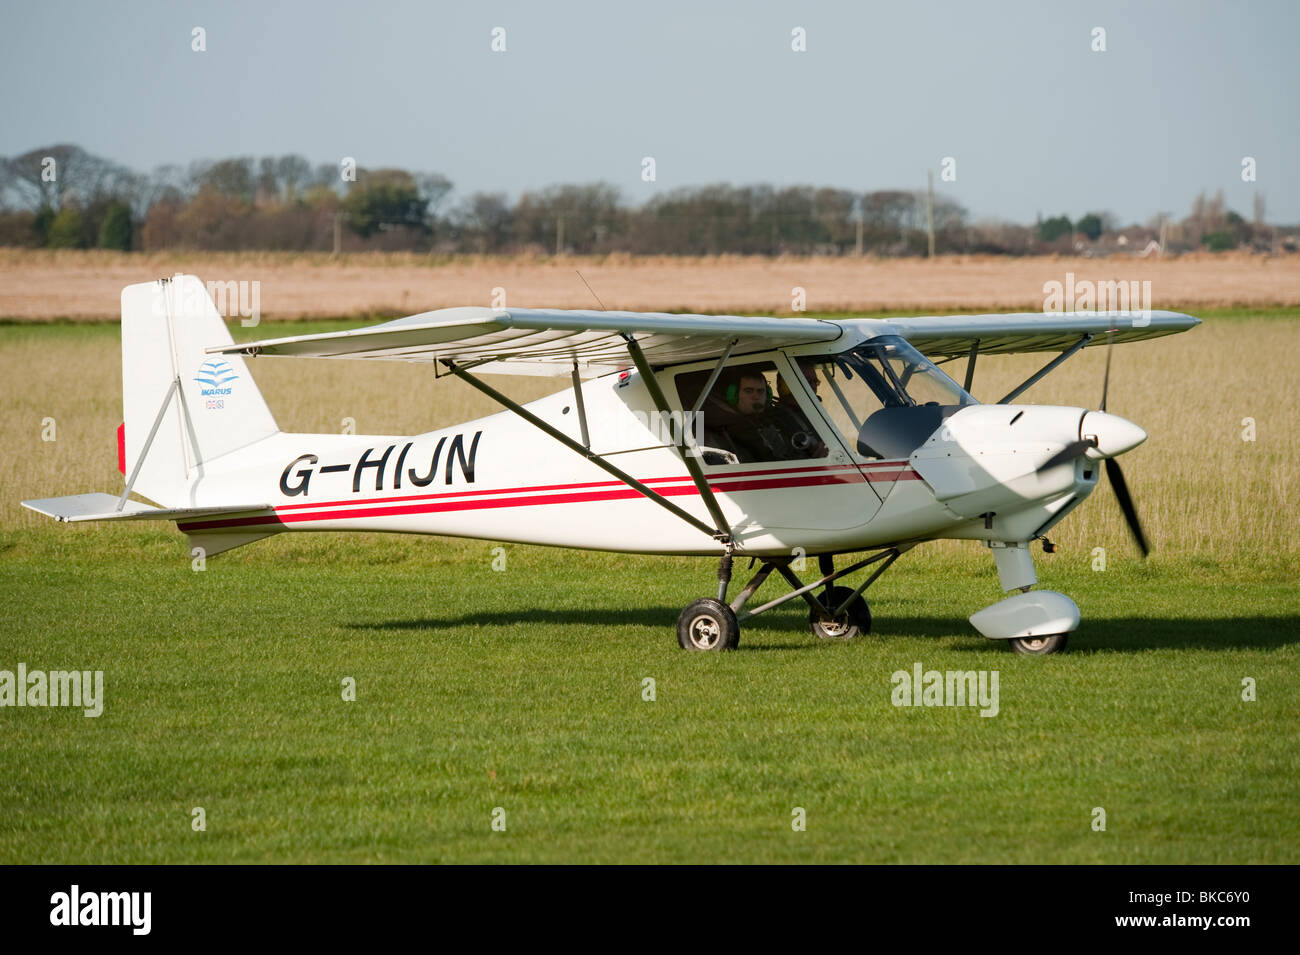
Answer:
(838, 613)
(708, 624)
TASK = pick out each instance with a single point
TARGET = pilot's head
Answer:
(751, 393)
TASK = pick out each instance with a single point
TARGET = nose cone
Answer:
(1114, 434)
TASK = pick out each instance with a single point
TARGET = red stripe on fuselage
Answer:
(873, 475)
(578, 493)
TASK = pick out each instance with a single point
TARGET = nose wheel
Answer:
(1039, 646)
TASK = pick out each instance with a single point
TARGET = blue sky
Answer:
(1036, 120)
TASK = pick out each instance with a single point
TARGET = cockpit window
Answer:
(745, 419)
(885, 397)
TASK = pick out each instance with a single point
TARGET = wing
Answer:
(953, 335)
(549, 341)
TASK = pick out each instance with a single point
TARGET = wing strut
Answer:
(687, 448)
(582, 408)
(1037, 376)
(713, 379)
(572, 445)
(970, 366)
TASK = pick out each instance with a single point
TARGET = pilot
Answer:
(754, 427)
(731, 422)
(786, 415)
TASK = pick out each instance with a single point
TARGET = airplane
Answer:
(774, 439)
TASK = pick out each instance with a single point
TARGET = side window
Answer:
(750, 415)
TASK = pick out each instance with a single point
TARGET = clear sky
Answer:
(1036, 120)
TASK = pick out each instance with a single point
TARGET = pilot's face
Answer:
(752, 396)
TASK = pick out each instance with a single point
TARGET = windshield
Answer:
(884, 396)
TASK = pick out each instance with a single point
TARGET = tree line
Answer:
(66, 197)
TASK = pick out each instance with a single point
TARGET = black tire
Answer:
(708, 625)
(1039, 646)
(855, 621)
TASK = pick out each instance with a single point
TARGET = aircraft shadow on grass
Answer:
(1131, 634)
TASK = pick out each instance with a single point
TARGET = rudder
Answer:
(209, 404)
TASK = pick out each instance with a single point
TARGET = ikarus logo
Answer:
(214, 378)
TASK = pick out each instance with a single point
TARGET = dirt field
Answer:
(42, 285)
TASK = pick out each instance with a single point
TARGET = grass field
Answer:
(523, 689)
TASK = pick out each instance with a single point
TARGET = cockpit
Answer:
(884, 396)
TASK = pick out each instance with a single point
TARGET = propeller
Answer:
(1068, 453)
(1120, 487)
(1114, 474)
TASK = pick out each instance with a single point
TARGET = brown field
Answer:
(42, 285)
(1204, 493)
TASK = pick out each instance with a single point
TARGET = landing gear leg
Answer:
(826, 564)
(724, 575)
(710, 624)
(1035, 622)
(841, 612)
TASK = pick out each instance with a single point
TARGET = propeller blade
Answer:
(1120, 487)
(1105, 384)
(1071, 451)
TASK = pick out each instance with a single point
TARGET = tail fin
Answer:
(196, 406)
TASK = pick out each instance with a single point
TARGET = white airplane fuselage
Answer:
(498, 478)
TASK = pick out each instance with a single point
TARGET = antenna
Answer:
(593, 292)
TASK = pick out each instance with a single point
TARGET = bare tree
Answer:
(433, 187)
(294, 175)
(485, 220)
(53, 175)
(233, 178)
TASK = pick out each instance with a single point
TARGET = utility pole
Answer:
(559, 235)
(929, 208)
(338, 232)
(1261, 232)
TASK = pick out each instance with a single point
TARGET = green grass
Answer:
(522, 689)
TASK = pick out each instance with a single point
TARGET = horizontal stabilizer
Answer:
(103, 507)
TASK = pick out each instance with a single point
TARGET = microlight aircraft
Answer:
(771, 439)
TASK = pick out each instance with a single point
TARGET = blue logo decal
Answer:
(215, 374)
